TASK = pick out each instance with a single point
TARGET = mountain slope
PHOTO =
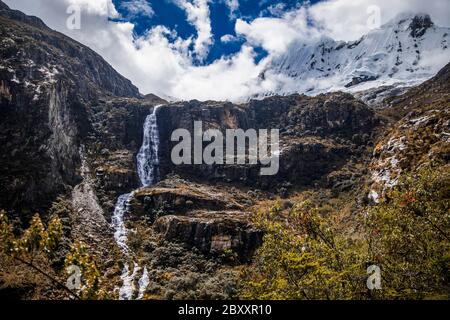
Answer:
(53, 94)
(33, 55)
(402, 52)
(419, 138)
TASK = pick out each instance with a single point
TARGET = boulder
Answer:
(212, 232)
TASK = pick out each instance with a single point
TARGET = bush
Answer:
(407, 235)
(303, 258)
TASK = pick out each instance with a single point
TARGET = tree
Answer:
(35, 241)
(91, 282)
(38, 244)
(303, 258)
(409, 235)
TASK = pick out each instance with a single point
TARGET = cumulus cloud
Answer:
(276, 34)
(198, 15)
(233, 6)
(163, 63)
(138, 7)
(228, 38)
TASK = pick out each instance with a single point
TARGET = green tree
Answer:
(91, 281)
(35, 246)
(409, 236)
(302, 257)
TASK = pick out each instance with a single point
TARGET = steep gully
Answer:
(148, 171)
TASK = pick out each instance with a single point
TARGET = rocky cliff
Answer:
(49, 87)
(318, 135)
(71, 126)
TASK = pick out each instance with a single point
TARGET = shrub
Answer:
(409, 235)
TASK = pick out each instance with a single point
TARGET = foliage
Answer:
(410, 236)
(37, 242)
(91, 282)
(35, 239)
(303, 258)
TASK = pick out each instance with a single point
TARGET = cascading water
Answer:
(147, 158)
(120, 234)
(148, 171)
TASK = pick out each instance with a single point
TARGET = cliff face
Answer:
(318, 135)
(48, 86)
(419, 135)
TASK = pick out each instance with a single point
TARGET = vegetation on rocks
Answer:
(407, 236)
(358, 186)
(31, 256)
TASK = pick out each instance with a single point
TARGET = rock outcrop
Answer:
(210, 218)
(318, 135)
(213, 232)
(51, 89)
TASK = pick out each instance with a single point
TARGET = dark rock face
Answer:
(53, 101)
(420, 25)
(20, 16)
(40, 145)
(317, 135)
(207, 217)
(34, 51)
(358, 80)
(212, 232)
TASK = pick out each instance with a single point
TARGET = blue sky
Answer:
(223, 20)
(213, 49)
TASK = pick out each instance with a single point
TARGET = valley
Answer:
(80, 143)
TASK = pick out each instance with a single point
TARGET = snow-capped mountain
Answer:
(404, 52)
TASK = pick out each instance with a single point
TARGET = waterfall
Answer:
(127, 289)
(148, 171)
(143, 283)
(120, 234)
(147, 158)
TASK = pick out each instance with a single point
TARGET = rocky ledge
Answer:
(212, 232)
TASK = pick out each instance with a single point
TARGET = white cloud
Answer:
(160, 62)
(276, 34)
(233, 6)
(138, 7)
(228, 38)
(198, 15)
(347, 19)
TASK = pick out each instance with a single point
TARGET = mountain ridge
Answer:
(397, 54)
(70, 149)
(81, 64)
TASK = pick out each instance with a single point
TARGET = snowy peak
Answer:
(416, 24)
(403, 52)
(419, 25)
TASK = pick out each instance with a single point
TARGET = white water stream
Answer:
(148, 171)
